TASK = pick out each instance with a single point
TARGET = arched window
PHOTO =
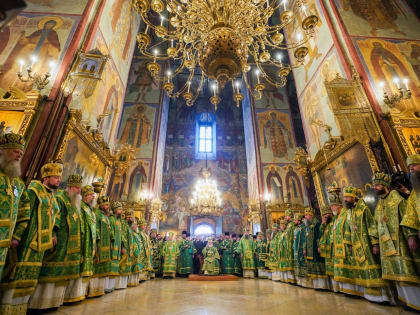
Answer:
(205, 144)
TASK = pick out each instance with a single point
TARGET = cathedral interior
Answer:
(209, 156)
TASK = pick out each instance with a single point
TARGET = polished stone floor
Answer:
(183, 297)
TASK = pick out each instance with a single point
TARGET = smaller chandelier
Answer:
(206, 198)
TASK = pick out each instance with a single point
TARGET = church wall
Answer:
(181, 170)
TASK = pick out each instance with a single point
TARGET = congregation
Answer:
(62, 246)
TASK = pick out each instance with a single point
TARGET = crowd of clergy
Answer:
(64, 245)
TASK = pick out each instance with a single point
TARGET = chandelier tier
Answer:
(206, 199)
(225, 38)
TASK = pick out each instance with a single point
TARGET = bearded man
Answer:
(28, 249)
(59, 280)
(412, 217)
(11, 189)
(400, 258)
(246, 249)
(116, 226)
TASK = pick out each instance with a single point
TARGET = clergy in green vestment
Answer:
(365, 245)
(286, 249)
(28, 249)
(127, 249)
(156, 245)
(246, 251)
(325, 247)
(116, 227)
(137, 265)
(411, 218)
(226, 249)
(344, 272)
(186, 254)
(260, 254)
(147, 259)
(88, 232)
(102, 259)
(170, 254)
(315, 264)
(11, 189)
(400, 257)
(62, 264)
(273, 262)
(211, 266)
(299, 261)
(237, 264)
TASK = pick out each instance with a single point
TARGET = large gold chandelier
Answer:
(206, 199)
(225, 38)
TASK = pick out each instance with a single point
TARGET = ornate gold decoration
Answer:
(275, 211)
(123, 158)
(92, 138)
(139, 208)
(302, 161)
(16, 100)
(85, 73)
(206, 199)
(155, 211)
(223, 38)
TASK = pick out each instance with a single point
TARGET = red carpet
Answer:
(212, 278)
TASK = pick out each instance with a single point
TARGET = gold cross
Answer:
(75, 216)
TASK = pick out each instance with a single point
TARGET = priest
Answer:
(237, 264)
(325, 247)
(286, 249)
(186, 255)
(226, 248)
(400, 257)
(170, 254)
(147, 260)
(211, 266)
(246, 251)
(412, 216)
(299, 261)
(116, 227)
(260, 255)
(27, 250)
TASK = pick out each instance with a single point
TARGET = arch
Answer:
(204, 229)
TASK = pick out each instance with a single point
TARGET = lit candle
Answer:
(189, 85)
(172, 43)
(33, 60)
(304, 11)
(214, 89)
(406, 83)
(52, 66)
(257, 72)
(382, 85)
(161, 20)
(299, 36)
(284, 5)
(21, 63)
(169, 76)
(147, 28)
(237, 86)
(397, 82)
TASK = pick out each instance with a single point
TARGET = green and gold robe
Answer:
(116, 227)
(273, 262)
(156, 258)
(88, 244)
(227, 264)
(127, 242)
(237, 264)
(411, 218)
(299, 244)
(147, 254)
(397, 262)
(246, 249)
(186, 251)
(138, 253)
(104, 238)
(364, 234)
(11, 190)
(286, 249)
(211, 264)
(34, 230)
(315, 264)
(63, 262)
(343, 257)
(260, 253)
(170, 254)
(326, 246)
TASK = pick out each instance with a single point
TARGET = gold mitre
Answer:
(350, 191)
(141, 221)
(129, 213)
(381, 178)
(334, 199)
(309, 211)
(325, 210)
(74, 180)
(413, 159)
(12, 141)
(282, 222)
(116, 205)
(87, 190)
(333, 188)
(54, 168)
(103, 200)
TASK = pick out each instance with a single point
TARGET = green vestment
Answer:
(246, 249)
(127, 242)
(237, 264)
(228, 264)
(147, 258)
(286, 248)
(411, 218)
(364, 234)
(398, 263)
(116, 227)
(326, 246)
(211, 264)
(186, 251)
(34, 230)
(299, 241)
(139, 254)
(315, 264)
(273, 262)
(260, 253)
(63, 262)
(156, 258)
(343, 257)
(88, 243)
(170, 254)
(11, 190)
(102, 260)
